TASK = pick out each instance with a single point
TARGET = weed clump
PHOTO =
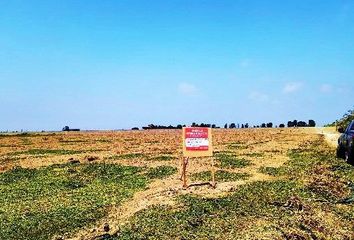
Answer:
(273, 171)
(231, 161)
(161, 158)
(220, 175)
(161, 172)
(127, 156)
(46, 152)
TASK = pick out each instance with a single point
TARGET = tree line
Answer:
(179, 126)
(344, 120)
(294, 123)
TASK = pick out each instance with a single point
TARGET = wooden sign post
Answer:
(197, 142)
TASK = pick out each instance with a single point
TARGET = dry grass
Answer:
(263, 147)
(263, 153)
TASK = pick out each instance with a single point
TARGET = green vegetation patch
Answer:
(7, 145)
(103, 140)
(161, 172)
(26, 141)
(344, 121)
(46, 151)
(161, 158)
(42, 203)
(237, 145)
(221, 218)
(314, 199)
(127, 156)
(231, 161)
(254, 154)
(26, 134)
(72, 141)
(273, 171)
(220, 176)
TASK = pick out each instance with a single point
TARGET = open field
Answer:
(271, 184)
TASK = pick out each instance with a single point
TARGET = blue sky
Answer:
(119, 64)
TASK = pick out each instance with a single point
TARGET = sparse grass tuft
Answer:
(273, 171)
(231, 161)
(7, 145)
(127, 156)
(220, 176)
(161, 172)
(161, 158)
(103, 140)
(72, 141)
(237, 145)
(254, 154)
(26, 141)
(45, 152)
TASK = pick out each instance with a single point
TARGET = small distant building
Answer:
(67, 129)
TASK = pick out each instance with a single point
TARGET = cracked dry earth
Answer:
(262, 147)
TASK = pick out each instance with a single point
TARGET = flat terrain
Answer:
(271, 184)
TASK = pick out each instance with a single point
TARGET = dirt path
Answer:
(330, 134)
(160, 192)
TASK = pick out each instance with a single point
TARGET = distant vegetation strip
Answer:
(344, 120)
(294, 123)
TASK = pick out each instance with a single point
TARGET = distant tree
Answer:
(66, 128)
(295, 123)
(269, 125)
(225, 126)
(263, 125)
(301, 124)
(242, 126)
(344, 120)
(179, 126)
(232, 125)
(281, 125)
(246, 125)
(347, 118)
(135, 128)
(213, 126)
(194, 124)
(312, 123)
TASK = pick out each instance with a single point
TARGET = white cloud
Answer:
(187, 89)
(258, 96)
(326, 88)
(292, 87)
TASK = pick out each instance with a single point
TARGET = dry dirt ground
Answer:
(262, 147)
(330, 134)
